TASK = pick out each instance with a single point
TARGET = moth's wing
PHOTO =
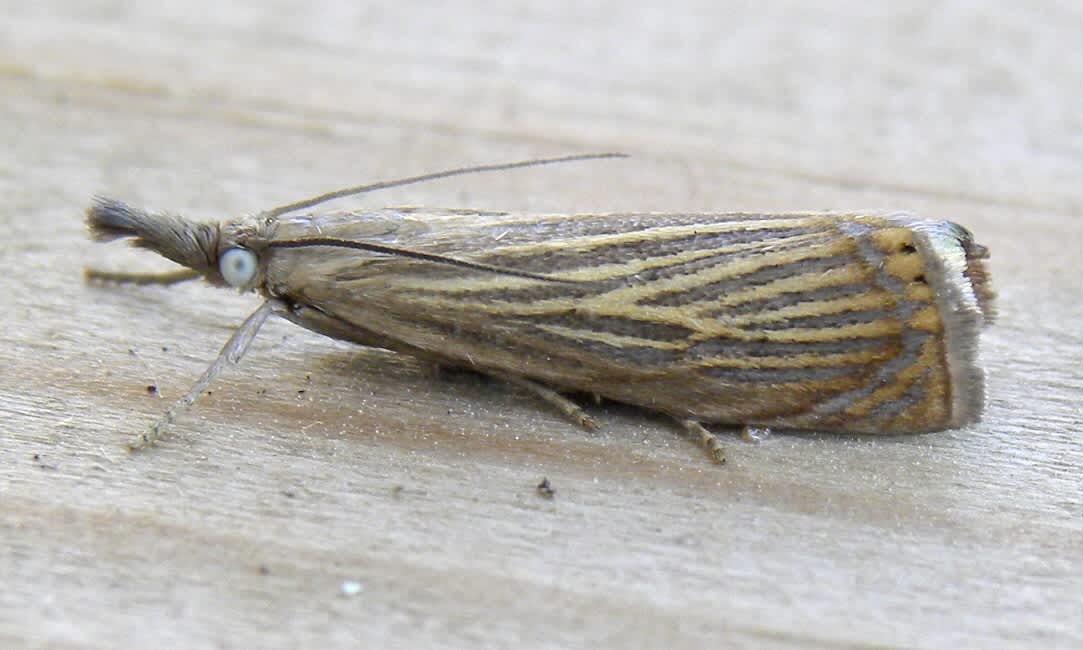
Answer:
(808, 321)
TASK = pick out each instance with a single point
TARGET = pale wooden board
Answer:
(240, 528)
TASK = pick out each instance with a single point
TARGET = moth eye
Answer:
(237, 266)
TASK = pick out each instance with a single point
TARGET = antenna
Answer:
(361, 189)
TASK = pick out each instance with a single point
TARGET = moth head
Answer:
(224, 254)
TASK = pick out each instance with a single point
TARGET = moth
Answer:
(863, 322)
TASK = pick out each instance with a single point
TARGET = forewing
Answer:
(808, 320)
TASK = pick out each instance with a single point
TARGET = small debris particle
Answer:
(545, 489)
(40, 460)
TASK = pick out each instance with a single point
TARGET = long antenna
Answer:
(360, 189)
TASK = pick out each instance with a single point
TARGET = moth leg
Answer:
(120, 277)
(567, 407)
(707, 440)
(230, 355)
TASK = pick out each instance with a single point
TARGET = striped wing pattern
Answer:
(810, 321)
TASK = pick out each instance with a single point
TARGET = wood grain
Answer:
(318, 463)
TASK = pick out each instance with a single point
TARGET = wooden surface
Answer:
(317, 463)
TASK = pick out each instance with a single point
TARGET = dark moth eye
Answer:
(237, 266)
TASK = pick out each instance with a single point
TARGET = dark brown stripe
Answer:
(892, 407)
(839, 319)
(618, 325)
(523, 338)
(691, 267)
(755, 278)
(735, 348)
(786, 375)
(641, 356)
(791, 298)
(651, 245)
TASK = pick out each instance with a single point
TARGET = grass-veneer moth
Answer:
(862, 322)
